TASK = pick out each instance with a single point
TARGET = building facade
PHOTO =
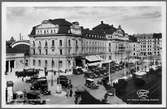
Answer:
(135, 49)
(17, 55)
(150, 47)
(150, 44)
(60, 45)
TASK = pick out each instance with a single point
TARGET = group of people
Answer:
(71, 93)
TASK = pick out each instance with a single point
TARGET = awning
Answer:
(94, 64)
(98, 57)
(89, 79)
(93, 58)
(107, 61)
(140, 73)
(19, 93)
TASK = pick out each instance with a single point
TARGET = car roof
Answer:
(89, 79)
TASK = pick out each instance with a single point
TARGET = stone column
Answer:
(6, 72)
(9, 69)
(14, 65)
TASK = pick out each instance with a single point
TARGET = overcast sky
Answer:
(141, 19)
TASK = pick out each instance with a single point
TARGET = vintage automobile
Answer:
(40, 84)
(90, 84)
(111, 92)
(63, 80)
(78, 70)
(34, 98)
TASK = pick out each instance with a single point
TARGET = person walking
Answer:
(71, 92)
(25, 96)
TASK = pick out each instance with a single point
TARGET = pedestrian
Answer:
(25, 96)
(67, 94)
(76, 97)
(71, 92)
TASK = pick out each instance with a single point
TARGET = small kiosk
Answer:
(9, 92)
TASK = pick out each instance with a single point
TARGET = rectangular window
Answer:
(61, 52)
(60, 42)
(33, 51)
(69, 63)
(46, 63)
(26, 63)
(60, 64)
(69, 51)
(46, 50)
(76, 43)
(40, 51)
(53, 43)
(33, 62)
(53, 63)
(39, 62)
(69, 42)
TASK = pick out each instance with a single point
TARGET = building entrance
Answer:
(78, 61)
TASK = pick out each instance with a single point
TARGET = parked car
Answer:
(34, 98)
(90, 84)
(63, 80)
(111, 92)
(90, 74)
(45, 92)
(77, 71)
(39, 84)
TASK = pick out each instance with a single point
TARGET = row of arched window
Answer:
(46, 43)
(94, 43)
(39, 63)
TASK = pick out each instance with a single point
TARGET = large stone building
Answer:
(150, 44)
(60, 45)
(117, 42)
(150, 47)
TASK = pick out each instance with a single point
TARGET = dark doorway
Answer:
(7, 69)
(78, 61)
(11, 65)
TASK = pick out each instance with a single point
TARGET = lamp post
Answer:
(109, 75)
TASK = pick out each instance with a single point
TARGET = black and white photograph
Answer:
(83, 54)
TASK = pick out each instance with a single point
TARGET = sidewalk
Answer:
(53, 99)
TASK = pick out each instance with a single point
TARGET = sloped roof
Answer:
(102, 26)
(106, 28)
(97, 32)
(60, 22)
(110, 31)
(63, 29)
(64, 26)
(33, 31)
(21, 48)
(157, 35)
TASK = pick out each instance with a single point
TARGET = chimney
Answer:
(82, 27)
(101, 22)
(119, 26)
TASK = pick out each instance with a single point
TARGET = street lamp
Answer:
(109, 75)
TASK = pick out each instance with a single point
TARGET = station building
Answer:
(17, 54)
